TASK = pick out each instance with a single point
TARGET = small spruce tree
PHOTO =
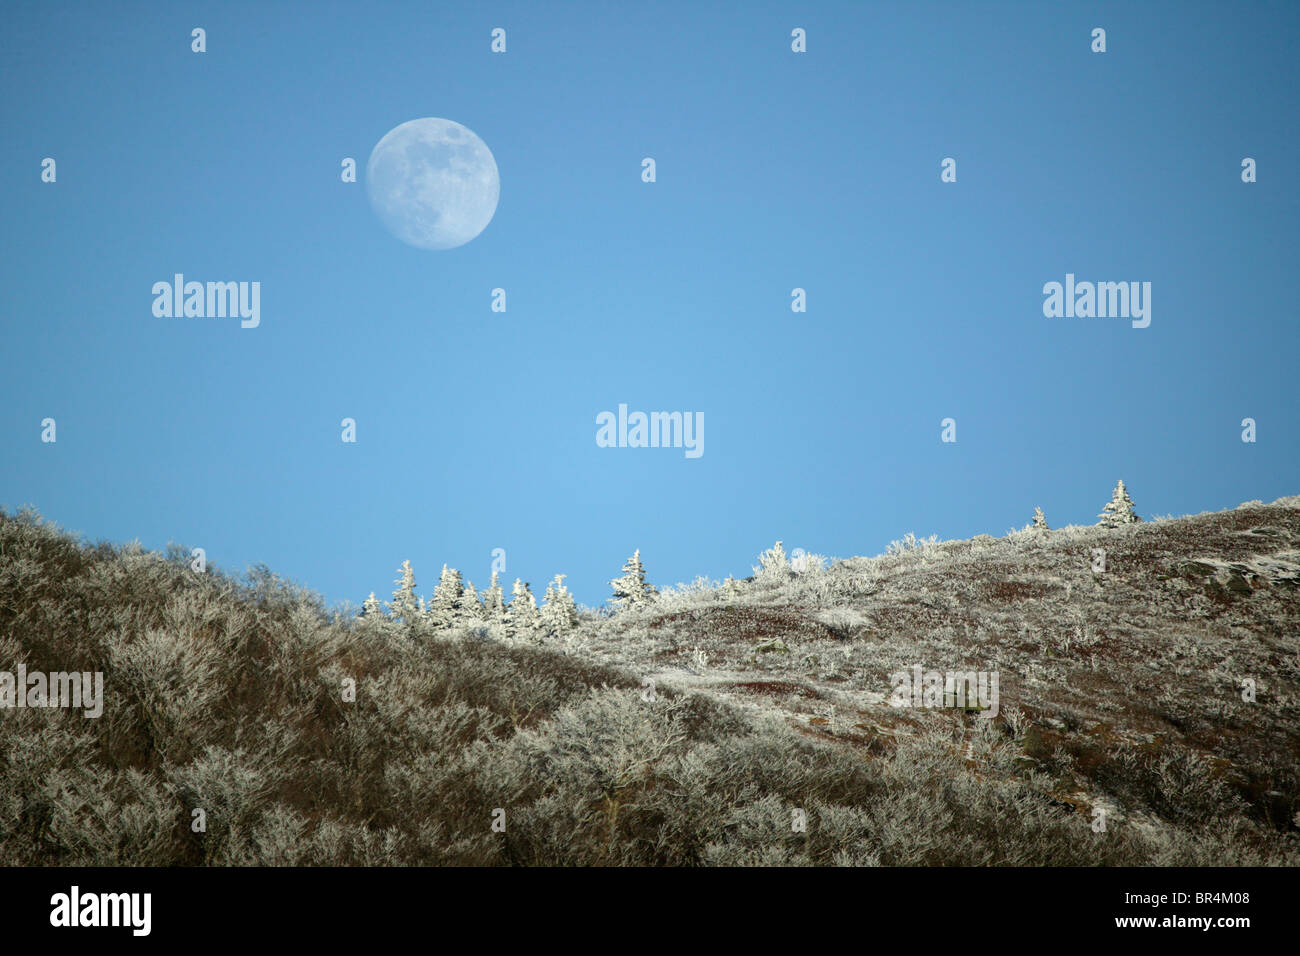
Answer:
(568, 607)
(372, 608)
(559, 615)
(632, 590)
(494, 608)
(405, 606)
(446, 597)
(469, 610)
(521, 615)
(1119, 510)
(1040, 521)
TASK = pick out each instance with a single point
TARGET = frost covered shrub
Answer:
(165, 687)
(911, 544)
(702, 592)
(804, 563)
(842, 621)
(773, 566)
(230, 788)
(813, 584)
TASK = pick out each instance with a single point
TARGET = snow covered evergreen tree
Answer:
(469, 610)
(1119, 510)
(559, 614)
(521, 615)
(443, 605)
(404, 605)
(568, 606)
(494, 608)
(632, 590)
(372, 608)
(1040, 521)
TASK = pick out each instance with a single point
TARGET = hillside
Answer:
(1124, 731)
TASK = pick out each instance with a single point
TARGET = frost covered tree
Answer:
(632, 590)
(469, 610)
(404, 606)
(446, 598)
(372, 608)
(494, 608)
(1040, 521)
(1119, 510)
(773, 562)
(559, 614)
(731, 588)
(521, 615)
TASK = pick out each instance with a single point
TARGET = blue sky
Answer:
(775, 170)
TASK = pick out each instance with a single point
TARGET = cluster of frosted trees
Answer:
(458, 604)
(1118, 512)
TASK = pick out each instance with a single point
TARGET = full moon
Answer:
(433, 183)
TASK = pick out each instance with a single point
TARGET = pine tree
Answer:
(494, 608)
(521, 615)
(446, 597)
(404, 605)
(559, 615)
(1119, 510)
(372, 608)
(632, 590)
(1040, 521)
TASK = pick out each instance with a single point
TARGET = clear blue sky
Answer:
(476, 430)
